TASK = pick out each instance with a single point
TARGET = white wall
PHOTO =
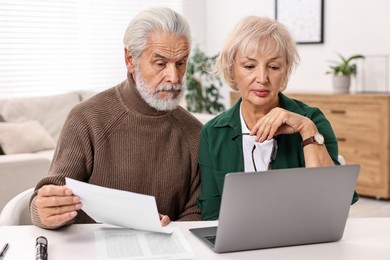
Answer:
(195, 12)
(350, 27)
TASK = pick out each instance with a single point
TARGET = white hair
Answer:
(154, 20)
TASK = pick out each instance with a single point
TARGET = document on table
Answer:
(117, 207)
(132, 244)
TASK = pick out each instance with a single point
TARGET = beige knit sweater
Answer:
(116, 140)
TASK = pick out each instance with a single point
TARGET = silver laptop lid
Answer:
(285, 207)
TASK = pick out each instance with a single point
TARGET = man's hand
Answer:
(164, 219)
(56, 205)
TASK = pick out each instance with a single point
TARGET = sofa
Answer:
(29, 130)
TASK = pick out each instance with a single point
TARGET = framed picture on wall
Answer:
(304, 19)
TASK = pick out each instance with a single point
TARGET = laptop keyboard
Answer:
(211, 239)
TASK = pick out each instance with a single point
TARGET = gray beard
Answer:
(151, 97)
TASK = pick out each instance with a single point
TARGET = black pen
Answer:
(4, 250)
(41, 248)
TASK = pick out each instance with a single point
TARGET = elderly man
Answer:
(134, 136)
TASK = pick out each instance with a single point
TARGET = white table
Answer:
(364, 238)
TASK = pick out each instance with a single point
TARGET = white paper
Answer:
(130, 244)
(117, 207)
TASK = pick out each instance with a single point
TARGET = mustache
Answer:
(168, 88)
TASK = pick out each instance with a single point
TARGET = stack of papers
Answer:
(131, 210)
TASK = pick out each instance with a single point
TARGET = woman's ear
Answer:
(130, 64)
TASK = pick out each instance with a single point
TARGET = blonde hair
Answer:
(260, 34)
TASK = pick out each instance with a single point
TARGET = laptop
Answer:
(282, 208)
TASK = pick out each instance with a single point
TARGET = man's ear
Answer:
(130, 63)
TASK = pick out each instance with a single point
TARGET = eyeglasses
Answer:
(273, 152)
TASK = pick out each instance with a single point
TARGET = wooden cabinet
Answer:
(361, 125)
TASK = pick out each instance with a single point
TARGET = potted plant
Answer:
(202, 85)
(342, 71)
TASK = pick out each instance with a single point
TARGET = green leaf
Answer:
(344, 66)
(203, 87)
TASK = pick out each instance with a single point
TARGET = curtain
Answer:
(53, 46)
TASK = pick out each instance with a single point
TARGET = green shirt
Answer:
(219, 154)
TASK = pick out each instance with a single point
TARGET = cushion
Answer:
(24, 137)
(50, 111)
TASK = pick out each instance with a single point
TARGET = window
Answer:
(56, 46)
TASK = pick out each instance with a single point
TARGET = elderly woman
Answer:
(264, 129)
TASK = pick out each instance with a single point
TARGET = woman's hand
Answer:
(280, 121)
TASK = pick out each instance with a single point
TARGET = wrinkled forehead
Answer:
(167, 45)
(261, 46)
